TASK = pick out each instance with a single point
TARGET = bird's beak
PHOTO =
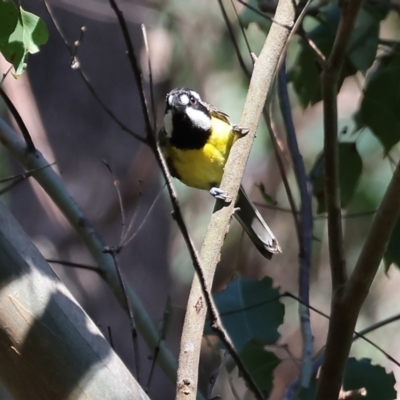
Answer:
(177, 105)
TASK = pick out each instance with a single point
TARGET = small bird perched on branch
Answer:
(196, 140)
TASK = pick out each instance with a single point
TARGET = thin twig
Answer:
(75, 265)
(233, 38)
(110, 338)
(18, 179)
(268, 7)
(76, 46)
(5, 74)
(242, 29)
(76, 66)
(163, 334)
(121, 206)
(153, 204)
(135, 67)
(20, 122)
(152, 102)
(113, 252)
(357, 335)
(312, 45)
(279, 159)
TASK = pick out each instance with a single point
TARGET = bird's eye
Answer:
(193, 100)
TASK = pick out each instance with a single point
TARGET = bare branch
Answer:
(261, 81)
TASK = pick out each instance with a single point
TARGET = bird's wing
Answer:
(255, 226)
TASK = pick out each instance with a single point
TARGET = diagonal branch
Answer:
(260, 84)
(306, 226)
(348, 296)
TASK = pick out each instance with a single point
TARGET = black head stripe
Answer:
(187, 136)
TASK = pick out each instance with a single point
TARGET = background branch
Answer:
(306, 227)
(347, 297)
(43, 331)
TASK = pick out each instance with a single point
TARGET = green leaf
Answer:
(392, 253)
(364, 41)
(379, 106)
(8, 20)
(260, 364)
(350, 168)
(250, 310)
(29, 34)
(362, 374)
(267, 198)
(358, 121)
(305, 74)
(361, 53)
(249, 16)
(377, 8)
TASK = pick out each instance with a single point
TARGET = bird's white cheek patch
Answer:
(168, 126)
(184, 99)
(199, 119)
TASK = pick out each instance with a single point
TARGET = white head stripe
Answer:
(184, 99)
(168, 126)
(199, 118)
(195, 94)
(170, 98)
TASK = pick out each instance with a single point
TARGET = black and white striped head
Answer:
(187, 120)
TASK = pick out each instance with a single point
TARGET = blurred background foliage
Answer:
(190, 46)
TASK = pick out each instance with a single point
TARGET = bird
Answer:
(196, 139)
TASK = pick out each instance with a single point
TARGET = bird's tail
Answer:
(255, 226)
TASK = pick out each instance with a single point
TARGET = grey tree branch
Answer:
(306, 227)
(55, 188)
(49, 348)
(260, 84)
(348, 296)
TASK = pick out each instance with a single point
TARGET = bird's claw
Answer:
(220, 194)
(240, 130)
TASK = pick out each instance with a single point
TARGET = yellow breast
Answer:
(203, 168)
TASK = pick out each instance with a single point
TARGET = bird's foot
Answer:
(220, 194)
(240, 130)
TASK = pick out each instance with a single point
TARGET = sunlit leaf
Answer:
(350, 168)
(29, 34)
(379, 107)
(392, 253)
